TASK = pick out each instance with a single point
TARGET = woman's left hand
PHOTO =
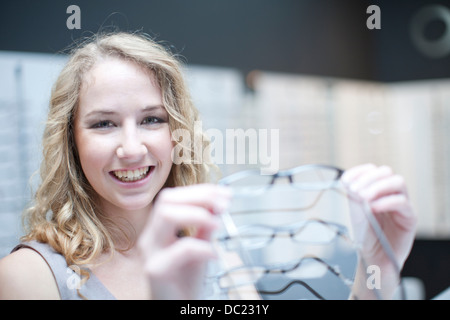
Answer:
(387, 196)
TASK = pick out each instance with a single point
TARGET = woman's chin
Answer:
(130, 204)
(136, 206)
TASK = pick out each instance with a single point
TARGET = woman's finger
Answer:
(395, 203)
(394, 184)
(370, 176)
(169, 219)
(181, 254)
(352, 174)
(212, 197)
(181, 215)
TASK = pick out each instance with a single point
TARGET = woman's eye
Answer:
(152, 120)
(103, 124)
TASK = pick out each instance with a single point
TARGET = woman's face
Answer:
(122, 134)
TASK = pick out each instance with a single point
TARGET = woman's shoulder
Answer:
(24, 274)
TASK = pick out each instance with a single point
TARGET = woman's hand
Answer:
(387, 196)
(175, 265)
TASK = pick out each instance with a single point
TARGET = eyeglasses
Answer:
(306, 268)
(312, 231)
(313, 177)
(306, 177)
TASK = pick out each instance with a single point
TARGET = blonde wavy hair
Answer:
(64, 213)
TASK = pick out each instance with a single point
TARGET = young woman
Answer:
(112, 201)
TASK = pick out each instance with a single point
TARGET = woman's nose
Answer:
(131, 144)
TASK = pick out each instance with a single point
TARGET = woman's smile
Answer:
(129, 175)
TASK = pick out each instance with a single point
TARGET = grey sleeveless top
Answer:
(66, 278)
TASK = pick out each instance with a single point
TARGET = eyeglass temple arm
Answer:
(290, 284)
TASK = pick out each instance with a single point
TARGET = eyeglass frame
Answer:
(289, 173)
(291, 231)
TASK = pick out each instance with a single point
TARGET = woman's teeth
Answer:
(131, 175)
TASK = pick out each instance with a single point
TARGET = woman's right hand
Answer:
(174, 265)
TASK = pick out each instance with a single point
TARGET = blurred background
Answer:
(336, 91)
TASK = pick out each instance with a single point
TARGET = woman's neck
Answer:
(125, 226)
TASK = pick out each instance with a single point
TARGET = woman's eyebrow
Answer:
(100, 112)
(152, 108)
(107, 112)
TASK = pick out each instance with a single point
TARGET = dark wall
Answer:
(325, 37)
(430, 261)
(395, 55)
(318, 37)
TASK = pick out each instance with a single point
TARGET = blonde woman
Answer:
(106, 220)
